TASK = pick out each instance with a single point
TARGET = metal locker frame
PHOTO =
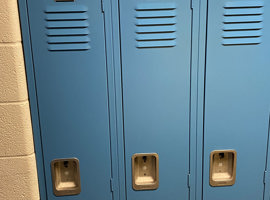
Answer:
(33, 99)
(111, 10)
(24, 18)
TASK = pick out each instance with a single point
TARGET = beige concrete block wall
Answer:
(13, 80)
(18, 173)
(9, 21)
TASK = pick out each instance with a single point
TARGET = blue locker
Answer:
(69, 60)
(237, 97)
(155, 54)
(88, 103)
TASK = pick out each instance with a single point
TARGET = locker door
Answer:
(70, 70)
(237, 99)
(156, 46)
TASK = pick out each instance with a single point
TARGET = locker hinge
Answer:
(266, 177)
(111, 183)
(188, 180)
(102, 6)
(191, 4)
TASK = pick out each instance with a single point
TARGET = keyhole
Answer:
(66, 164)
(221, 155)
(144, 159)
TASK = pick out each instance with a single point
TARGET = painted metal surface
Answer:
(267, 171)
(149, 98)
(237, 97)
(155, 52)
(71, 82)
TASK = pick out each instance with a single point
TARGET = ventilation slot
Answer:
(155, 25)
(243, 23)
(67, 28)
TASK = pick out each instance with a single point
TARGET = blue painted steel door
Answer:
(68, 46)
(237, 93)
(156, 46)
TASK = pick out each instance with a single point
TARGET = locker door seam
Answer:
(190, 96)
(204, 100)
(108, 95)
(122, 97)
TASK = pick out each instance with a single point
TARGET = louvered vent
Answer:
(67, 28)
(155, 25)
(243, 23)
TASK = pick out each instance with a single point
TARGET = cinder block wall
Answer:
(18, 173)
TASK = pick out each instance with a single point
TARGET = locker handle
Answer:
(223, 168)
(145, 171)
(66, 176)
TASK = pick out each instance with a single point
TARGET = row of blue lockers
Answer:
(149, 99)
